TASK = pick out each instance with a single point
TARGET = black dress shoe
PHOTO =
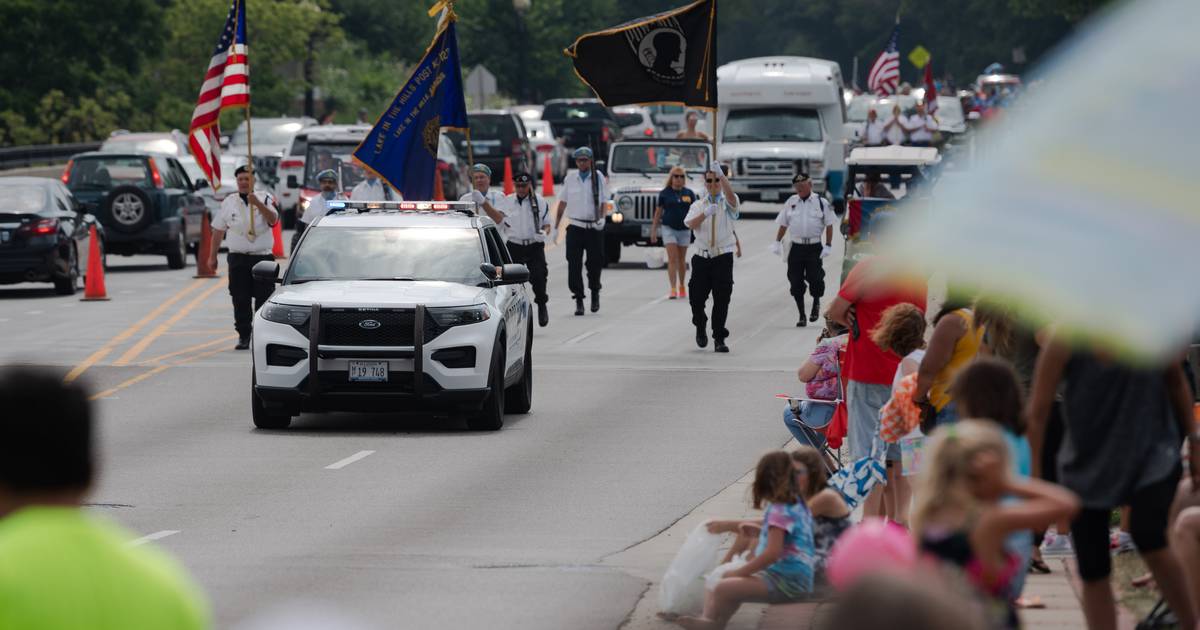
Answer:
(701, 338)
(720, 346)
(802, 322)
(816, 311)
(543, 315)
(579, 306)
(595, 302)
(242, 344)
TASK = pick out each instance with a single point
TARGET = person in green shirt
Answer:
(60, 567)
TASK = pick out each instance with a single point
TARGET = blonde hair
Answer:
(677, 170)
(944, 481)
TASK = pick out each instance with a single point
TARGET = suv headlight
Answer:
(286, 314)
(625, 204)
(448, 317)
(816, 166)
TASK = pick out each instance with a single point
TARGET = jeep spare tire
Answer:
(127, 209)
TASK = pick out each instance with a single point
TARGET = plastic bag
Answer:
(739, 561)
(656, 257)
(682, 588)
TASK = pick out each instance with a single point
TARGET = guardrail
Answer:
(33, 155)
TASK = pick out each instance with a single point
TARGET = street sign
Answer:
(481, 85)
(919, 56)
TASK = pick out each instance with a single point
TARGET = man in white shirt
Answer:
(246, 221)
(873, 131)
(921, 127)
(804, 218)
(484, 197)
(319, 205)
(894, 130)
(711, 220)
(371, 188)
(585, 200)
(527, 223)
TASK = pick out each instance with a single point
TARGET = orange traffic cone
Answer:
(277, 250)
(438, 193)
(203, 270)
(509, 188)
(93, 286)
(547, 178)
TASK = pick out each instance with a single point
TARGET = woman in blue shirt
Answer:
(673, 204)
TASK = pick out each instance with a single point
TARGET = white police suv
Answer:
(395, 307)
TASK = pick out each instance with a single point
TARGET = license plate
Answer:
(482, 150)
(369, 371)
(770, 195)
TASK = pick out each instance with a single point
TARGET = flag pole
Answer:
(249, 134)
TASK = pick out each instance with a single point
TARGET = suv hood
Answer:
(787, 150)
(379, 293)
(632, 183)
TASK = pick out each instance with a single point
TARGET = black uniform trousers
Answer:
(804, 264)
(244, 289)
(533, 256)
(711, 275)
(580, 241)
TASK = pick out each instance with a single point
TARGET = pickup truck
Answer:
(582, 122)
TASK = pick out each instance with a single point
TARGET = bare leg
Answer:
(672, 266)
(873, 505)
(889, 496)
(1099, 607)
(680, 268)
(1168, 573)
(902, 490)
(724, 600)
(1185, 538)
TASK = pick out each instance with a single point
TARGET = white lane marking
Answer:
(578, 338)
(34, 312)
(338, 465)
(155, 536)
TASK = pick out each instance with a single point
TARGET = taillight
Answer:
(604, 134)
(545, 148)
(291, 164)
(41, 227)
(66, 175)
(154, 176)
(649, 132)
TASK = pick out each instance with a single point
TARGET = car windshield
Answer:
(22, 199)
(275, 133)
(791, 124)
(949, 112)
(492, 127)
(147, 145)
(629, 120)
(332, 155)
(107, 172)
(559, 111)
(374, 253)
(643, 158)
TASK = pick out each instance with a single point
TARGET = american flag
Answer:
(885, 72)
(226, 84)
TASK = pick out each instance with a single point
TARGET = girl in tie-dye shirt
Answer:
(782, 567)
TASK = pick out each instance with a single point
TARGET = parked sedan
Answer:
(635, 121)
(541, 136)
(43, 233)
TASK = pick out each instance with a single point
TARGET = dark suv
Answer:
(495, 135)
(582, 122)
(146, 201)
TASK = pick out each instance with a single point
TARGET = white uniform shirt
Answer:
(366, 190)
(581, 209)
(725, 241)
(873, 132)
(493, 197)
(805, 219)
(234, 219)
(922, 127)
(317, 207)
(519, 224)
(895, 133)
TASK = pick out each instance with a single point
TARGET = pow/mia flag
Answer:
(666, 58)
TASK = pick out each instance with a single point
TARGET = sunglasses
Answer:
(677, 177)
(710, 181)
(522, 183)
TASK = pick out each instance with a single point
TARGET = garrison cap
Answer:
(583, 152)
(522, 178)
(327, 174)
(482, 168)
(800, 177)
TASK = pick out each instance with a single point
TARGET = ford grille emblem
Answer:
(369, 324)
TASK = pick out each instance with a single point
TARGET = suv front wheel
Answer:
(491, 416)
(264, 419)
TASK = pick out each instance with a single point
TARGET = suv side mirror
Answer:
(265, 271)
(514, 274)
(199, 184)
(292, 182)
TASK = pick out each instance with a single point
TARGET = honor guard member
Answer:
(585, 199)
(711, 218)
(527, 223)
(805, 218)
(246, 221)
(371, 188)
(485, 198)
(328, 181)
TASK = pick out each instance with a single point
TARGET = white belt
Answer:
(583, 223)
(807, 241)
(721, 251)
(524, 242)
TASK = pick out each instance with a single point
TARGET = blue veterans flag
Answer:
(402, 147)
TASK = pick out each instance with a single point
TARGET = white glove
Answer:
(715, 167)
(710, 209)
(777, 248)
(478, 197)
(826, 250)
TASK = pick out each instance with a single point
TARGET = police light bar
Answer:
(363, 207)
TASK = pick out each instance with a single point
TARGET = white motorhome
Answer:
(778, 116)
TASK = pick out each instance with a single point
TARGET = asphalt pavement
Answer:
(416, 522)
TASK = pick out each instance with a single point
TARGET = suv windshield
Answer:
(101, 172)
(119, 144)
(493, 127)
(375, 253)
(267, 133)
(790, 124)
(331, 155)
(643, 158)
(22, 199)
(558, 111)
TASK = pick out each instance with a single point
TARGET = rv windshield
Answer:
(784, 124)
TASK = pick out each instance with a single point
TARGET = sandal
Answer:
(1039, 566)
(1032, 601)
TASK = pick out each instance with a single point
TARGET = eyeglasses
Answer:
(709, 181)
(677, 177)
